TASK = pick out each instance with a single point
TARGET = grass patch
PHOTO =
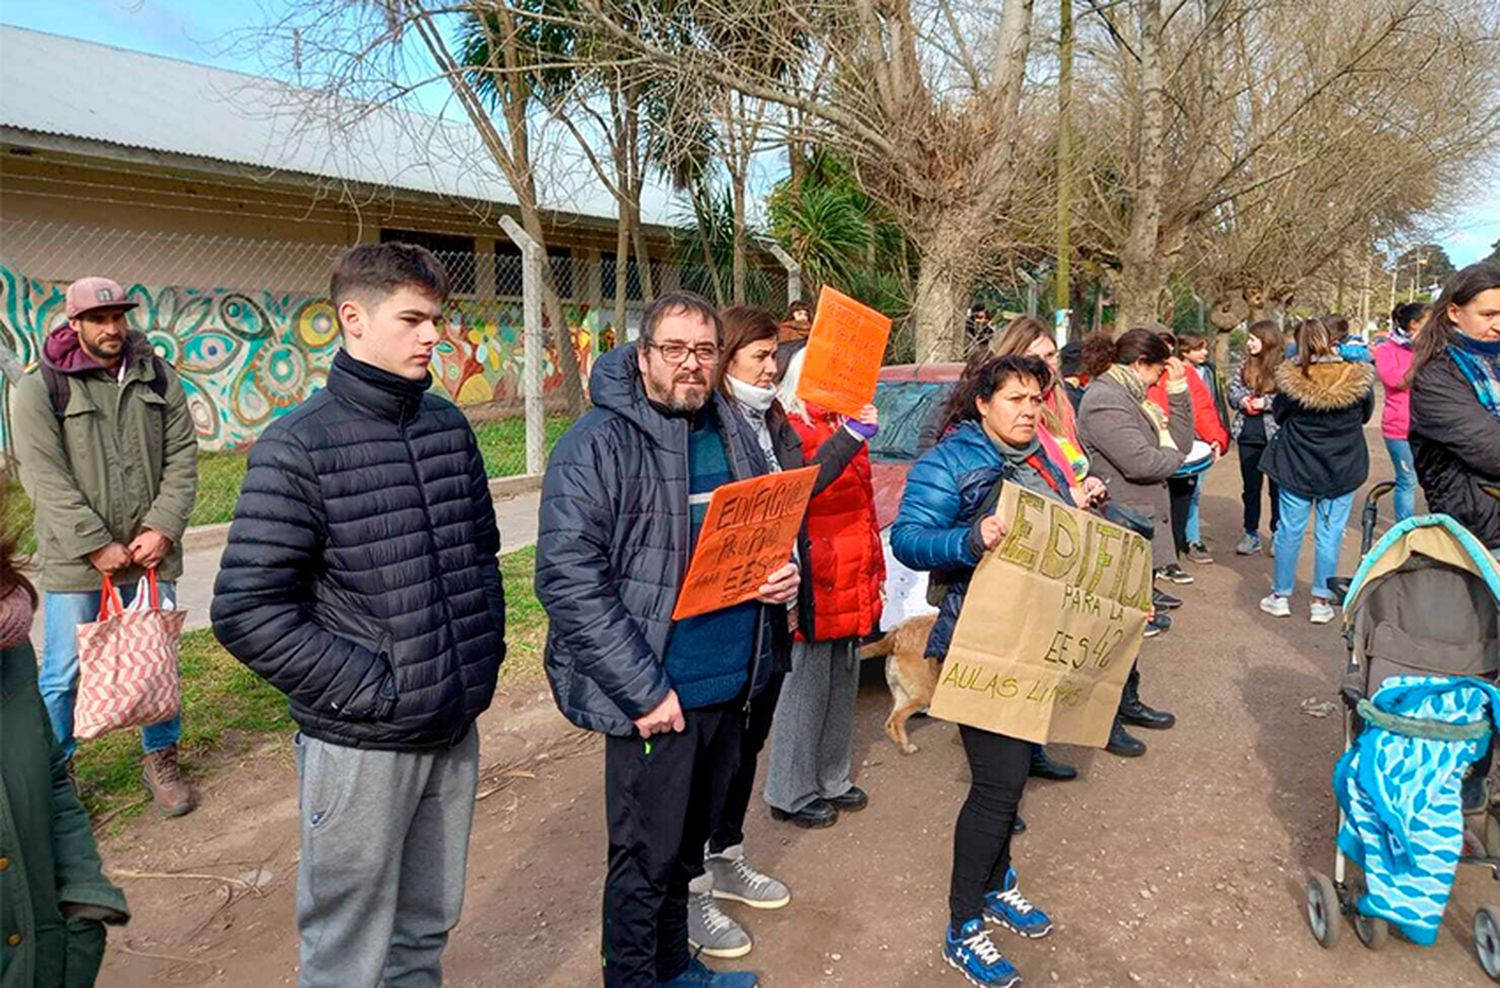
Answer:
(525, 621)
(227, 709)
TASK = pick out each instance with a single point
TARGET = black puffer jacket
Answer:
(360, 577)
(613, 545)
(1456, 445)
(1319, 448)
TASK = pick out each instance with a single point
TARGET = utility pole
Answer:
(1064, 166)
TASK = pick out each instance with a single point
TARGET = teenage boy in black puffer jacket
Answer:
(360, 579)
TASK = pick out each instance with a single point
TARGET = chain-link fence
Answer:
(248, 326)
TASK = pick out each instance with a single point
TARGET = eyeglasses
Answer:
(676, 353)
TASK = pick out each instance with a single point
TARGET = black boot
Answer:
(816, 815)
(1123, 744)
(1018, 826)
(1043, 767)
(1133, 711)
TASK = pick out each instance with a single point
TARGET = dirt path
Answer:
(1184, 867)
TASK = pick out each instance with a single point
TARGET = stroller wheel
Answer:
(1323, 910)
(1487, 940)
(1371, 930)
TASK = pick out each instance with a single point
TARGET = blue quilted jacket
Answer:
(935, 529)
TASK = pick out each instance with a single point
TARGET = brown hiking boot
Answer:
(162, 775)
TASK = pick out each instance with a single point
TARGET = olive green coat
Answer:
(121, 458)
(47, 852)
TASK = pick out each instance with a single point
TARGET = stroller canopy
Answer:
(1437, 537)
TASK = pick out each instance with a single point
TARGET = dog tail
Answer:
(879, 648)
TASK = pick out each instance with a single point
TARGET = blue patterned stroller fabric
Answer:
(1403, 818)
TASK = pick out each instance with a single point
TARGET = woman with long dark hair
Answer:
(57, 899)
(1393, 360)
(944, 525)
(1455, 401)
(1318, 458)
(1251, 394)
(746, 374)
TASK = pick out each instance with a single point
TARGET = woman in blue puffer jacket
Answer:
(946, 524)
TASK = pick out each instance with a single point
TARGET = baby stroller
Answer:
(1424, 602)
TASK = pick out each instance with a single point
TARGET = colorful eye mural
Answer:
(248, 357)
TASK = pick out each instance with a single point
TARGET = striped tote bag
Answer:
(127, 663)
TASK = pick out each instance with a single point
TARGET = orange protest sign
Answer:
(747, 534)
(844, 353)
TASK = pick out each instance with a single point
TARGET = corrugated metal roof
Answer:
(62, 86)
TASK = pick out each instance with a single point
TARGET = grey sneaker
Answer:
(1198, 553)
(1249, 545)
(712, 933)
(736, 881)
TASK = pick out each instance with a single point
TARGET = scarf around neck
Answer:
(1127, 378)
(1479, 362)
(748, 394)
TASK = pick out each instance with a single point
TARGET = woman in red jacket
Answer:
(809, 780)
(1208, 427)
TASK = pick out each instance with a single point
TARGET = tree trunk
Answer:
(1142, 275)
(622, 259)
(938, 310)
(739, 269)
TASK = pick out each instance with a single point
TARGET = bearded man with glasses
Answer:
(623, 500)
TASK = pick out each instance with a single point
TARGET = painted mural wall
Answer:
(247, 357)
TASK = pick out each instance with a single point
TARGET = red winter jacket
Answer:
(846, 564)
(1206, 422)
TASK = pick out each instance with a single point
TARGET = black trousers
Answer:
(998, 767)
(658, 795)
(1180, 489)
(1250, 474)
(727, 822)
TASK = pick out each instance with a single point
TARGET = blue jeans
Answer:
(1332, 514)
(1194, 523)
(58, 677)
(1406, 477)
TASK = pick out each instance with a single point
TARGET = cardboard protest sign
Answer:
(844, 352)
(747, 534)
(1051, 624)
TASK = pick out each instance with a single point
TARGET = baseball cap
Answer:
(88, 294)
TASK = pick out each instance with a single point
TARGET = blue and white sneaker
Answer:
(1010, 909)
(699, 976)
(973, 954)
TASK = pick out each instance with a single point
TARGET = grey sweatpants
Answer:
(813, 730)
(385, 840)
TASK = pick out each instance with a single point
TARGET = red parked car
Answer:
(907, 395)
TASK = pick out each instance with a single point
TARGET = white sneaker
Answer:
(1322, 611)
(1276, 605)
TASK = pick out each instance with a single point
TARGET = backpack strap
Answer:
(58, 389)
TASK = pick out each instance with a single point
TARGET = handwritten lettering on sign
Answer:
(844, 353)
(747, 535)
(1050, 627)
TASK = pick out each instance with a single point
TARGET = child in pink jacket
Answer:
(1393, 363)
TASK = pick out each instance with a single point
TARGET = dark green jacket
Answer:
(120, 459)
(47, 852)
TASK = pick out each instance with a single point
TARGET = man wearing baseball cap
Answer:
(108, 454)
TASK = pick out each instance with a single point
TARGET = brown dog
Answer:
(911, 676)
